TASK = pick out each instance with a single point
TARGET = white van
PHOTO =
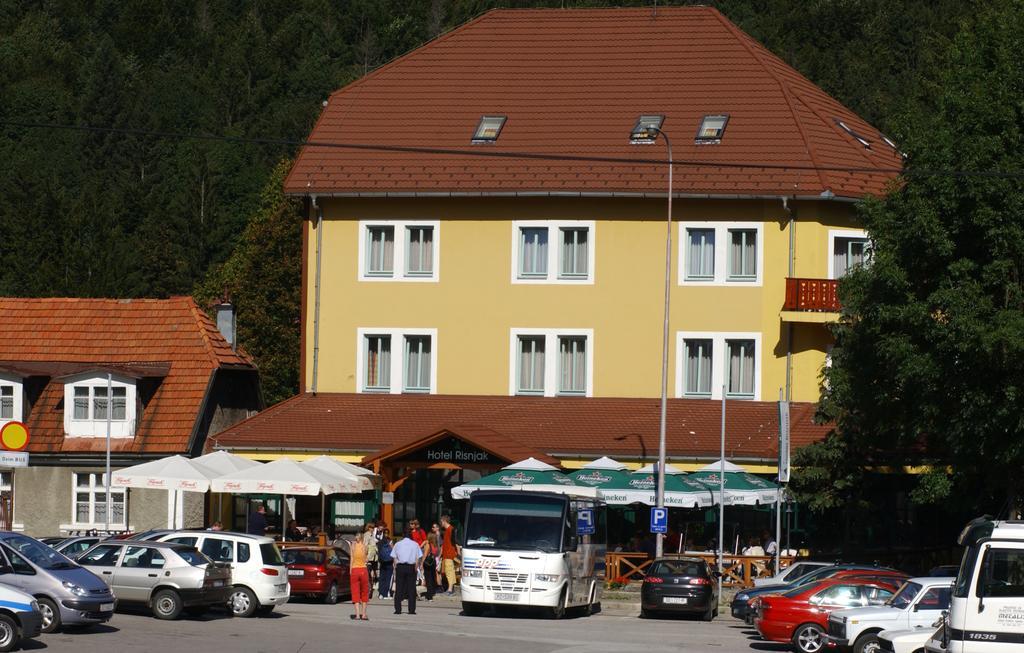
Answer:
(986, 613)
(529, 549)
(258, 574)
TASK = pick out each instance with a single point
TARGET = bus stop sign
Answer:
(585, 522)
(659, 520)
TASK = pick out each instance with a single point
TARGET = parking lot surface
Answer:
(301, 627)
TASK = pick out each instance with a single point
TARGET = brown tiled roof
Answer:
(501, 446)
(168, 338)
(558, 426)
(573, 82)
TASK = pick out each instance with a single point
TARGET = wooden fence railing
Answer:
(739, 571)
(811, 295)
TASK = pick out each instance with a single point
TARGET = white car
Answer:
(258, 574)
(918, 603)
(911, 640)
(791, 573)
(20, 618)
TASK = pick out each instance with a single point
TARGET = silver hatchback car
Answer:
(168, 578)
(67, 594)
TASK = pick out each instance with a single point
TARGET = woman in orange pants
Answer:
(359, 578)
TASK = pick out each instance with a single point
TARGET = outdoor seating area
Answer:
(737, 570)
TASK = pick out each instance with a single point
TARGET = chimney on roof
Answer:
(226, 321)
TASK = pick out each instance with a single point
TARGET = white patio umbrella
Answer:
(342, 470)
(225, 462)
(174, 474)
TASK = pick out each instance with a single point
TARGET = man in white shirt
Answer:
(770, 548)
(407, 556)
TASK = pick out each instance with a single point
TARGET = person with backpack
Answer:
(387, 564)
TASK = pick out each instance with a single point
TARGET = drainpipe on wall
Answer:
(792, 272)
(316, 292)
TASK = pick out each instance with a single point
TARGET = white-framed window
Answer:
(551, 362)
(87, 406)
(399, 250)
(11, 399)
(396, 360)
(721, 253)
(847, 249)
(707, 362)
(89, 502)
(553, 251)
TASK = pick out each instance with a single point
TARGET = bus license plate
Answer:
(505, 596)
(674, 599)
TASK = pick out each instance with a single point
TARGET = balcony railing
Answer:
(811, 295)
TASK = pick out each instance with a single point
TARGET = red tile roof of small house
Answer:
(573, 82)
(170, 339)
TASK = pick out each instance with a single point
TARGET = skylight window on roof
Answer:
(488, 129)
(712, 128)
(849, 130)
(643, 132)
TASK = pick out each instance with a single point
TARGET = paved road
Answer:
(437, 627)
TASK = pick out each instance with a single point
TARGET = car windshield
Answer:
(38, 553)
(271, 556)
(677, 568)
(796, 591)
(905, 596)
(302, 557)
(192, 556)
(515, 522)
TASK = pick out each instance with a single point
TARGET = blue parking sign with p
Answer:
(659, 520)
(585, 522)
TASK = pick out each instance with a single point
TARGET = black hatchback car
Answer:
(679, 585)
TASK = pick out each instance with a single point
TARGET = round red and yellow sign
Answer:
(14, 436)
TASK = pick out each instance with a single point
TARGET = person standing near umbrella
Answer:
(359, 578)
(257, 521)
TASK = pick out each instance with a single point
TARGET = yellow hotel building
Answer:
(484, 247)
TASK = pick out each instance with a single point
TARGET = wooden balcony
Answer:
(811, 295)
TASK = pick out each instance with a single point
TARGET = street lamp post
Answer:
(660, 539)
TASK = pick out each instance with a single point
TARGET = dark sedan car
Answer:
(680, 585)
(740, 607)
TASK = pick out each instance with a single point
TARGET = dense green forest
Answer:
(97, 214)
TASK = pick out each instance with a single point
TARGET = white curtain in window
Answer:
(743, 253)
(698, 367)
(533, 252)
(574, 252)
(741, 367)
(378, 361)
(531, 364)
(847, 253)
(7, 402)
(417, 363)
(572, 354)
(382, 250)
(81, 403)
(701, 254)
(99, 403)
(421, 250)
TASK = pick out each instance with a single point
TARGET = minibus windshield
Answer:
(533, 523)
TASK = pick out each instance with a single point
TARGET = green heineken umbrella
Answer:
(529, 474)
(681, 491)
(741, 487)
(608, 475)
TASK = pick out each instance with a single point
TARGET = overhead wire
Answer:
(509, 154)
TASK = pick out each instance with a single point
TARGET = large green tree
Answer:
(927, 366)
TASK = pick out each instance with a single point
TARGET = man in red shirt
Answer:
(419, 536)
(449, 551)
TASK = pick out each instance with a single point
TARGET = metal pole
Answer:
(721, 499)
(316, 295)
(110, 409)
(660, 539)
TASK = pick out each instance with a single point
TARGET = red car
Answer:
(800, 615)
(319, 571)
